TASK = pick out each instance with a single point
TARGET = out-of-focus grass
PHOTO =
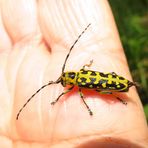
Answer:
(146, 109)
(132, 20)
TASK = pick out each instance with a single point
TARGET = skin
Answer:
(35, 38)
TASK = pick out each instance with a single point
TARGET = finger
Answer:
(62, 22)
(20, 19)
(5, 43)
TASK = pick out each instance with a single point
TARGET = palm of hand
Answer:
(32, 56)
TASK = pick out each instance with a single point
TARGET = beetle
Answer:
(105, 83)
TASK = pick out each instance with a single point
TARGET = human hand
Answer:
(35, 38)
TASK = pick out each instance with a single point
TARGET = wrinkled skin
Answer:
(35, 37)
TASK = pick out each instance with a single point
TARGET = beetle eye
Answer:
(71, 75)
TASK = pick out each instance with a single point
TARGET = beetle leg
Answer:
(82, 97)
(88, 65)
(63, 93)
(108, 92)
(122, 101)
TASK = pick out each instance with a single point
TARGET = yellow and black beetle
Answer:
(105, 83)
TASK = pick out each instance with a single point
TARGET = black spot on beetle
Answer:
(83, 80)
(101, 81)
(121, 78)
(122, 85)
(93, 73)
(92, 80)
(84, 72)
(103, 75)
(114, 76)
(112, 85)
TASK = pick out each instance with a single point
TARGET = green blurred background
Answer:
(132, 20)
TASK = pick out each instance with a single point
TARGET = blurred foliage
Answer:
(132, 20)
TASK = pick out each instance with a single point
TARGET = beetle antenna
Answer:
(49, 83)
(63, 68)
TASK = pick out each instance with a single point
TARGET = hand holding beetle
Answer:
(32, 54)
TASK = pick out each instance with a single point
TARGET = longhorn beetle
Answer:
(105, 83)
